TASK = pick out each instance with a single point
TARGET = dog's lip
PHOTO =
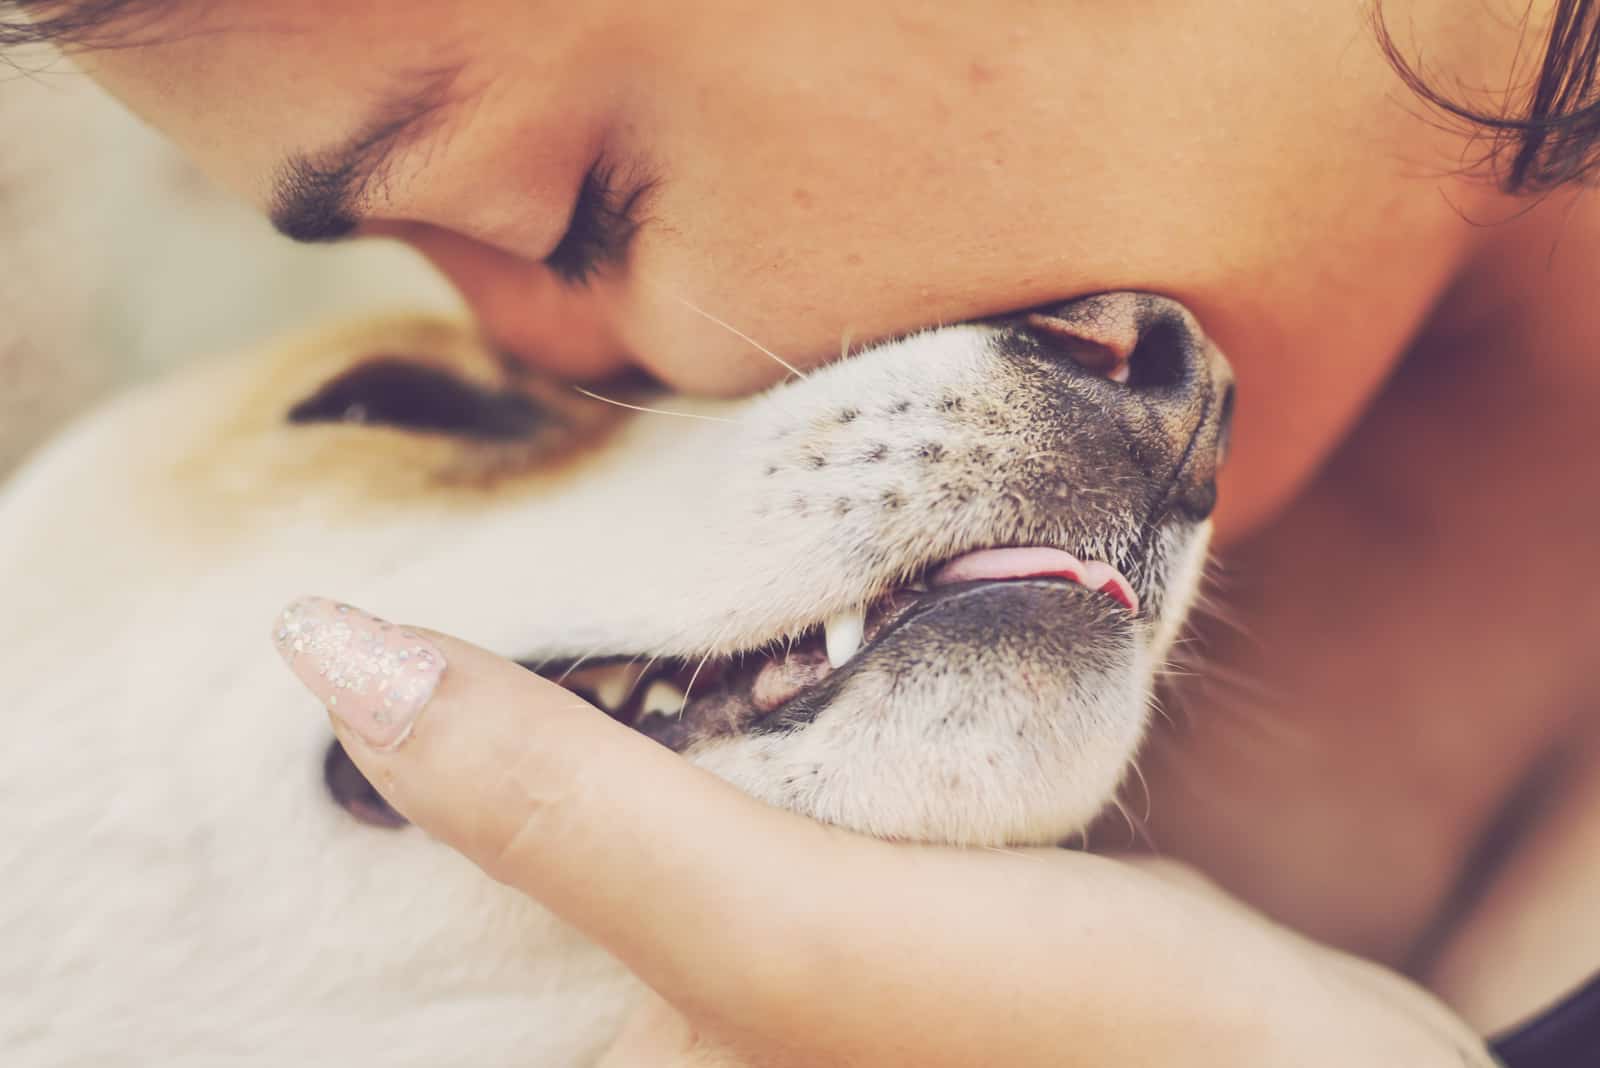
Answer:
(954, 595)
(741, 691)
(975, 578)
(1038, 561)
(946, 594)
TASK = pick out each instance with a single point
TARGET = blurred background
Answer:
(119, 261)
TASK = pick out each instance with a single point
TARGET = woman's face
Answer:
(820, 175)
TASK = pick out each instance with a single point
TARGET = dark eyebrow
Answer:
(315, 196)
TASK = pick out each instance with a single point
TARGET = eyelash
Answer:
(603, 223)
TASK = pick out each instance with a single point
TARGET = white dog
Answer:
(922, 592)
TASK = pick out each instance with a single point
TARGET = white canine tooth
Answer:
(842, 635)
(613, 684)
(662, 699)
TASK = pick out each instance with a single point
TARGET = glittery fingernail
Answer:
(374, 676)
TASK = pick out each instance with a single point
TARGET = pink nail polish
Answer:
(374, 676)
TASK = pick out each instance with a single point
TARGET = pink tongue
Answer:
(991, 565)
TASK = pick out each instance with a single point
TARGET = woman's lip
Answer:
(1038, 561)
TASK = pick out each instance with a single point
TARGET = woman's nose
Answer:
(524, 307)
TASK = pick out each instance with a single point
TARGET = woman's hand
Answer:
(771, 940)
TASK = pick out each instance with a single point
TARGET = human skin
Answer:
(837, 949)
(854, 171)
(847, 172)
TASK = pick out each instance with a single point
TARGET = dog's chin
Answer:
(989, 713)
(986, 711)
(966, 634)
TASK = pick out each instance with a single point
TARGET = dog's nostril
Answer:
(1162, 357)
(1067, 339)
(1143, 348)
(354, 793)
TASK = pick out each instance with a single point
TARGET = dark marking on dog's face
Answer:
(409, 395)
(421, 408)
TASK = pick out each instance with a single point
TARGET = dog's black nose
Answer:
(1167, 389)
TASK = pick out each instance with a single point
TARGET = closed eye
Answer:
(604, 221)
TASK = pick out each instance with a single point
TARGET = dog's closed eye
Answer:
(394, 392)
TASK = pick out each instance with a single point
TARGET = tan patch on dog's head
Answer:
(381, 413)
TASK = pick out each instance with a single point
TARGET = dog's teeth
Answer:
(613, 684)
(662, 699)
(842, 635)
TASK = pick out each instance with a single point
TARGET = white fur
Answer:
(179, 890)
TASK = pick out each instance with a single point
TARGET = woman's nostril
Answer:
(354, 793)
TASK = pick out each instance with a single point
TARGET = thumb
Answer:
(650, 857)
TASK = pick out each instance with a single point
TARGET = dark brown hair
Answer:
(1545, 137)
(1551, 137)
(80, 23)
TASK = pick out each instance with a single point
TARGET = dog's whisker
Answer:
(1239, 684)
(572, 667)
(1138, 829)
(651, 411)
(1211, 607)
(688, 691)
(1127, 817)
(736, 332)
(1158, 709)
(1144, 784)
(1013, 851)
(1245, 707)
(1147, 840)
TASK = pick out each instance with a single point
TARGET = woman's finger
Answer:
(658, 1036)
(664, 865)
(767, 931)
